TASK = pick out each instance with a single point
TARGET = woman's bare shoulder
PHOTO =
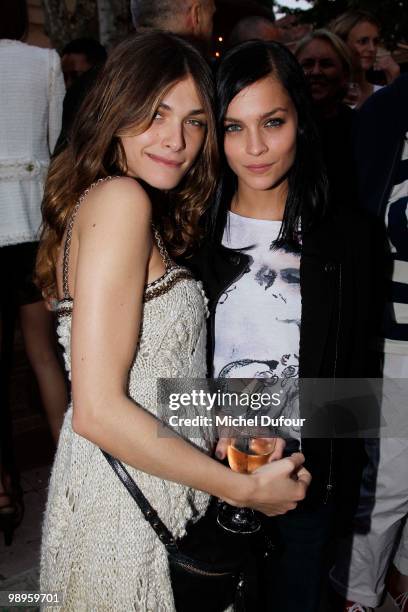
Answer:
(121, 199)
(119, 191)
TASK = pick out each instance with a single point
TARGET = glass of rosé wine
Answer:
(245, 455)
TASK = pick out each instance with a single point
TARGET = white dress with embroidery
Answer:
(97, 549)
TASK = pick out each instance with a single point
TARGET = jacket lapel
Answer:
(319, 285)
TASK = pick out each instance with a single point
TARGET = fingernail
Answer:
(218, 454)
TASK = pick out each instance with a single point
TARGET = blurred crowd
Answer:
(360, 103)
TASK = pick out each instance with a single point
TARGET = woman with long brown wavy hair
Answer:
(124, 198)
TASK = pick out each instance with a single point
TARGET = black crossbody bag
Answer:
(224, 578)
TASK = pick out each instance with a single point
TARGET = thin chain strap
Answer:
(401, 601)
(67, 245)
(162, 249)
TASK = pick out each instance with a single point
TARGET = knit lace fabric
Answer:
(97, 549)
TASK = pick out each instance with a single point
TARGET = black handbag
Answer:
(220, 578)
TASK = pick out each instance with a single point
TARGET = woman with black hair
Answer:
(125, 320)
(288, 284)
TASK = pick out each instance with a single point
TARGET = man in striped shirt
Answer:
(376, 559)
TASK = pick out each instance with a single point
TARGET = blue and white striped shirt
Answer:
(396, 219)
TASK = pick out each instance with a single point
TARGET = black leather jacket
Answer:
(336, 290)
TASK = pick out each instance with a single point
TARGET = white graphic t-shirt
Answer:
(257, 318)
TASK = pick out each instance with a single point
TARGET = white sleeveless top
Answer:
(97, 549)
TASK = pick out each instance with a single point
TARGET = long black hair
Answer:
(242, 66)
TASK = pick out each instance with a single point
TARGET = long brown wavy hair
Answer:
(137, 75)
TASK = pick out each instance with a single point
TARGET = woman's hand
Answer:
(274, 488)
(389, 66)
(277, 454)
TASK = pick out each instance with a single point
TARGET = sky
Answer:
(300, 4)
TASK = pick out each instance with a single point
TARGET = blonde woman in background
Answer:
(361, 32)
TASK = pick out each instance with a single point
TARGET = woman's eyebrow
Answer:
(232, 119)
(197, 111)
(263, 116)
(275, 110)
(194, 111)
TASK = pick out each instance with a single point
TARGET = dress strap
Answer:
(68, 237)
(162, 249)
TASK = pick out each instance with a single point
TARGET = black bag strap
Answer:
(147, 510)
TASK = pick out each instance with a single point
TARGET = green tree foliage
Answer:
(114, 21)
(66, 20)
(108, 20)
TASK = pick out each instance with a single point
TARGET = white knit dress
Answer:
(97, 549)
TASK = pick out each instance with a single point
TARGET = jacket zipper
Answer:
(196, 570)
(397, 154)
(338, 323)
(329, 486)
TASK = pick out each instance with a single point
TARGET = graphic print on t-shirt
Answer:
(257, 319)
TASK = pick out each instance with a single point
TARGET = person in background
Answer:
(381, 532)
(254, 28)
(327, 64)
(361, 32)
(193, 20)
(79, 56)
(31, 94)
(190, 18)
(81, 61)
